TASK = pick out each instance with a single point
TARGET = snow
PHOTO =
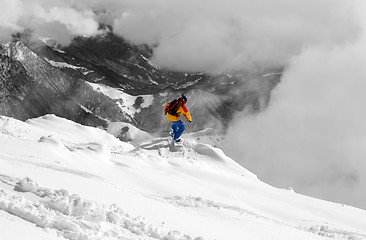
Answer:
(59, 50)
(271, 74)
(87, 72)
(152, 80)
(149, 62)
(125, 101)
(72, 217)
(189, 84)
(63, 65)
(85, 108)
(128, 131)
(147, 101)
(63, 180)
(128, 77)
(20, 56)
(163, 94)
(12, 227)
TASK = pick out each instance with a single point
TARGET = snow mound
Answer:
(72, 217)
(195, 154)
(101, 152)
(210, 154)
(127, 132)
(60, 132)
(208, 136)
(54, 142)
(12, 128)
(209, 151)
(70, 132)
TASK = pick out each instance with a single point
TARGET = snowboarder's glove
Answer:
(190, 121)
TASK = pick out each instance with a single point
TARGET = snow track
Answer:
(75, 218)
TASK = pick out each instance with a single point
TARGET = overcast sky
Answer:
(206, 35)
(313, 134)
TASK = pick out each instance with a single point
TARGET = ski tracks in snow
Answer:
(326, 231)
(322, 230)
(72, 217)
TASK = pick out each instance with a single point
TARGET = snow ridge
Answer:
(72, 217)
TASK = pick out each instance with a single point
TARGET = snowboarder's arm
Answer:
(188, 116)
(186, 112)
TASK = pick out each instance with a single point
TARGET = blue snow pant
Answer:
(178, 128)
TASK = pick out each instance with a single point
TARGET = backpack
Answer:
(173, 107)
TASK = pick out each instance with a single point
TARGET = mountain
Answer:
(62, 180)
(103, 79)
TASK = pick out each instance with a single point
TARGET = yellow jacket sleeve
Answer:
(185, 112)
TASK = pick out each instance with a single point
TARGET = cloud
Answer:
(215, 36)
(313, 134)
(55, 19)
(208, 35)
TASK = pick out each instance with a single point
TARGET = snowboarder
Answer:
(173, 111)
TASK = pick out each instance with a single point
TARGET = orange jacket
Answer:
(182, 109)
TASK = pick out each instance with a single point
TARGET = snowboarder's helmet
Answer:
(184, 98)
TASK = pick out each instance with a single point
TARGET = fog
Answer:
(312, 136)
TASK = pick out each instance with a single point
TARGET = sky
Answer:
(312, 134)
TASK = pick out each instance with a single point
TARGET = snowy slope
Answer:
(125, 101)
(62, 180)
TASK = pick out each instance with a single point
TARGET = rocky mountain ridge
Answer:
(39, 77)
